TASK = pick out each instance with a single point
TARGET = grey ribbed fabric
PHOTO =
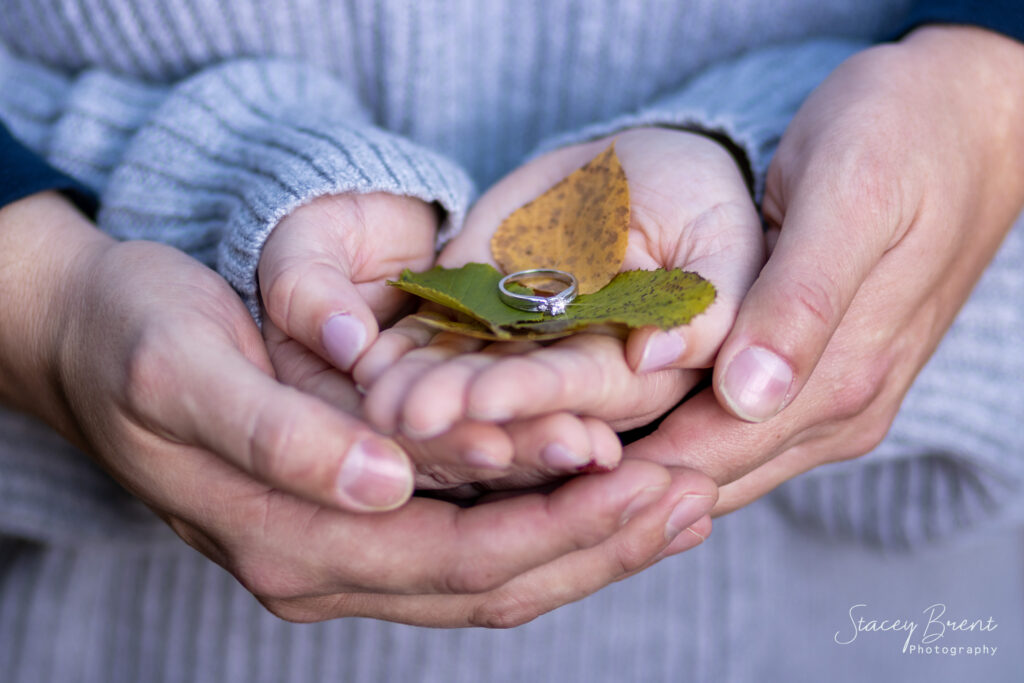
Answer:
(203, 123)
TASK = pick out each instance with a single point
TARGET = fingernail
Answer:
(375, 475)
(343, 338)
(691, 508)
(756, 384)
(643, 499)
(558, 457)
(483, 460)
(663, 348)
(684, 541)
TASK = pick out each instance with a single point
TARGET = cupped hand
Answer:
(690, 209)
(323, 270)
(323, 275)
(148, 361)
(892, 188)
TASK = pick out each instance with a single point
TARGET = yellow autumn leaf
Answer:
(581, 226)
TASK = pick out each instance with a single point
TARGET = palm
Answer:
(690, 209)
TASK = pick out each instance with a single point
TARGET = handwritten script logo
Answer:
(923, 635)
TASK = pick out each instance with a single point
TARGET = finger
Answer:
(563, 443)
(542, 447)
(725, 247)
(436, 400)
(569, 578)
(531, 442)
(701, 435)
(430, 546)
(314, 301)
(427, 546)
(386, 398)
(469, 452)
(277, 434)
(389, 346)
(297, 366)
(695, 534)
(826, 247)
(585, 374)
(606, 446)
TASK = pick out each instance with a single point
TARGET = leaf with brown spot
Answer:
(663, 298)
(581, 226)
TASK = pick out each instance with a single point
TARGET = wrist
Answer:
(44, 244)
(736, 152)
(985, 70)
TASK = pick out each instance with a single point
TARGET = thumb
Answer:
(731, 264)
(315, 303)
(323, 270)
(828, 243)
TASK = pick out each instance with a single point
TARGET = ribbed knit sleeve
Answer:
(954, 457)
(236, 148)
(746, 102)
(210, 165)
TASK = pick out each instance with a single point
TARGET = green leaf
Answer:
(636, 298)
(471, 289)
(663, 298)
(478, 330)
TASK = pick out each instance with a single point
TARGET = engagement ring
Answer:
(551, 305)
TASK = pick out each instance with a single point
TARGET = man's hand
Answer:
(892, 189)
(147, 359)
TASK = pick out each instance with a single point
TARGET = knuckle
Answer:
(559, 372)
(865, 435)
(852, 397)
(283, 451)
(270, 443)
(863, 176)
(198, 540)
(279, 291)
(865, 192)
(631, 554)
(817, 294)
(867, 438)
(855, 393)
(267, 580)
(148, 370)
(296, 612)
(471, 577)
(505, 611)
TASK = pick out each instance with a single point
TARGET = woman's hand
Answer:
(690, 209)
(323, 275)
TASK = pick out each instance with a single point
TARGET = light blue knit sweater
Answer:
(202, 124)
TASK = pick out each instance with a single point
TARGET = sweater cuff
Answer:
(235, 149)
(745, 103)
(346, 159)
(954, 457)
(23, 173)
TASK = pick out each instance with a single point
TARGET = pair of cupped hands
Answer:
(289, 456)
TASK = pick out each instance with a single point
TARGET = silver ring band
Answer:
(551, 305)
